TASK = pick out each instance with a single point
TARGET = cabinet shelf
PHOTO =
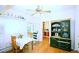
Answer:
(56, 31)
(56, 26)
(65, 31)
(60, 37)
(63, 42)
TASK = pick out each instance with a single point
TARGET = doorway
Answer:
(46, 29)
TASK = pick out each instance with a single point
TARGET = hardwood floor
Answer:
(42, 47)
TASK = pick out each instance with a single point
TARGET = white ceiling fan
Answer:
(39, 10)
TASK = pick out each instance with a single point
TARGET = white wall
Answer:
(77, 28)
(5, 41)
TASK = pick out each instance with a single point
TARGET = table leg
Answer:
(32, 45)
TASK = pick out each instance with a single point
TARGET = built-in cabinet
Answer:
(60, 35)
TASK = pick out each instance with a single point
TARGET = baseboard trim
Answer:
(74, 51)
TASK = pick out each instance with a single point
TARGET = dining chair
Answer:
(15, 47)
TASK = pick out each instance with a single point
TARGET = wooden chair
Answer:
(15, 48)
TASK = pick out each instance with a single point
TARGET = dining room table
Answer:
(22, 41)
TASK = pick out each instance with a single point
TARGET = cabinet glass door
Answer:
(65, 29)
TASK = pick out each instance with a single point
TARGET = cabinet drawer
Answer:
(65, 46)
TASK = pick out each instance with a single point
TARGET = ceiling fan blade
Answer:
(38, 7)
(28, 10)
(33, 13)
(47, 11)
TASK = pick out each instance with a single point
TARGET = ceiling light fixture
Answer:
(40, 11)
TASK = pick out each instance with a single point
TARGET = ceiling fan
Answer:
(40, 11)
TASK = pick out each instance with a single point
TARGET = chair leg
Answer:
(32, 45)
(14, 51)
